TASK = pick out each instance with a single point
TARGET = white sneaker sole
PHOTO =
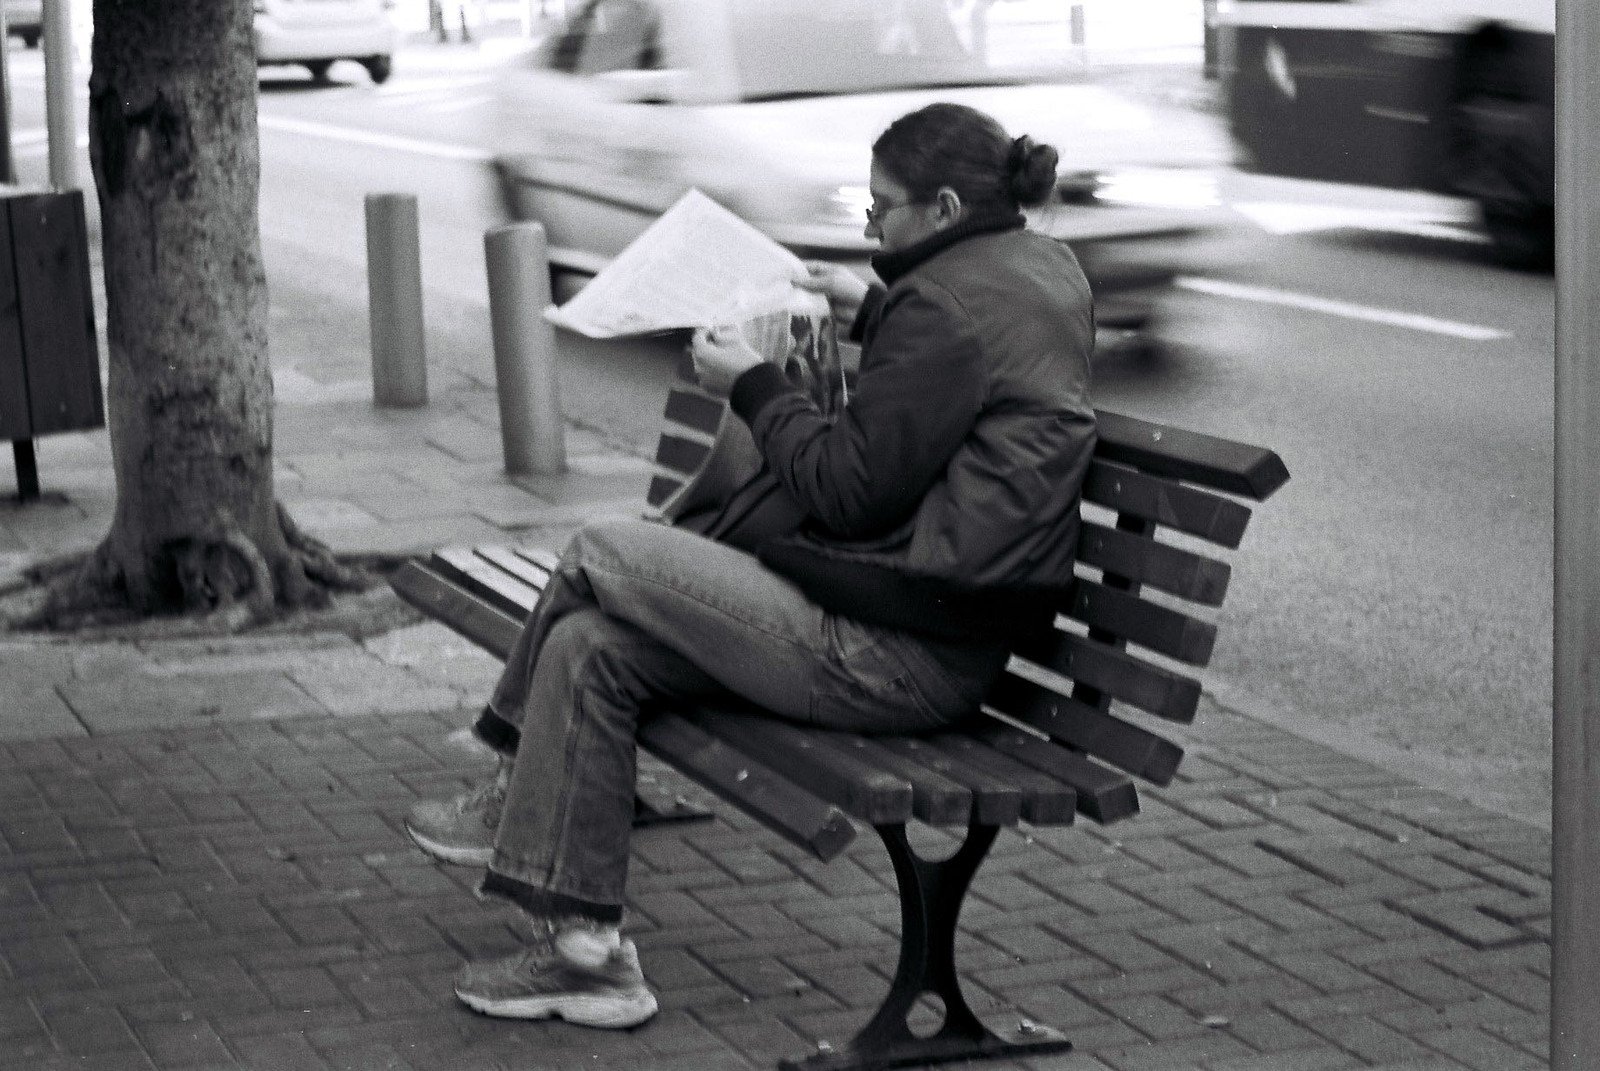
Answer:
(449, 853)
(613, 1013)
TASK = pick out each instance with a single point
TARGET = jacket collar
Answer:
(892, 266)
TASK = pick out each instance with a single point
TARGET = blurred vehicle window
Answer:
(610, 35)
(803, 47)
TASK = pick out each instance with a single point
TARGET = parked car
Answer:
(314, 34)
(770, 107)
(25, 19)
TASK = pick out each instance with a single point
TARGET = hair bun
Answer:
(1032, 168)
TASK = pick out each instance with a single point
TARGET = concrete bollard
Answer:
(518, 265)
(394, 301)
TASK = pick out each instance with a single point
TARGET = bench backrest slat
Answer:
(1221, 464)
(1105, 736)
(1186, 509)
(1121, 675)
(1136, 620)
(1171, 569)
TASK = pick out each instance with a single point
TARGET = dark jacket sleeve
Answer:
(919, 392)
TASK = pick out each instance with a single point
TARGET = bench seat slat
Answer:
(543, 557)
(814, 758)
(993, 801)
(1139, 558)
(1119, 674)
(1046, 801)
(518, 567)
(1103, 794)
(935, 798)
(484, 580)
(772, 799)
(1222, 464)
(1123, 745)
(478, 620)
(1140, 621)
(1187, 509)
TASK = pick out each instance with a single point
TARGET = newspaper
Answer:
(700, 265)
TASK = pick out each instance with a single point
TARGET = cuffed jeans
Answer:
(637, 613)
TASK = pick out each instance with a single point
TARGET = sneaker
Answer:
(542, 982)
(459, 830)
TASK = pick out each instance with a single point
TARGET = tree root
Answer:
(219, 584)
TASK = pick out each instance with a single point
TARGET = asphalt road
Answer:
(1393, 600)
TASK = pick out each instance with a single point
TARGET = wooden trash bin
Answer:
(49, 362)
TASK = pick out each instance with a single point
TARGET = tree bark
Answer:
(173, 143)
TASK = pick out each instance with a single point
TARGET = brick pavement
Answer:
(241, 895)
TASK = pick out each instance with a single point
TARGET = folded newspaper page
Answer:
(700, 265)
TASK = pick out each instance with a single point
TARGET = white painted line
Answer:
(395, 142)
(1390, 317)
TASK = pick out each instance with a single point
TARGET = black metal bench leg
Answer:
(931, 894)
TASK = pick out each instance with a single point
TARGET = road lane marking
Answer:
(376, 140)
(1311, 303)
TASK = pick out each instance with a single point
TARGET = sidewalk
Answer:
(202, 866)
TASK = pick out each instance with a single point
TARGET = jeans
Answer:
(637, 613)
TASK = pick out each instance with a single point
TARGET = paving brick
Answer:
(1370, 1039)
(82, 1029)
(1460, 914)
(1481, 1051)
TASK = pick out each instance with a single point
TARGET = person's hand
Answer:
(721, 355)
(844, 289)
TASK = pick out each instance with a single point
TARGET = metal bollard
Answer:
(518, 265)
(394, 301)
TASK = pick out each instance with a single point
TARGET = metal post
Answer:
(518, 264)
(1575, 884)
(8, 165)
(394, 301)
(1077, 33)
(60, 122)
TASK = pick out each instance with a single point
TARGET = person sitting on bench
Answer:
(940, 514)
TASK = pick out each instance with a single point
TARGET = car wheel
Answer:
(379, 67)
(1503, 152)
(319, 70)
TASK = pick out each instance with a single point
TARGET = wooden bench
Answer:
(1047, 747)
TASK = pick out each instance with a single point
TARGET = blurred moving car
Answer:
(770, 107)
(25, 19)
(314, 34)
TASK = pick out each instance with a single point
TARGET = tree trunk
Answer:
(173, 141)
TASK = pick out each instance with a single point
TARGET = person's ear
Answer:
(948, 205)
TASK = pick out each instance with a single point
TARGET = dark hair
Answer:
(965, 149)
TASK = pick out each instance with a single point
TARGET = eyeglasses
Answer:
(876, 215)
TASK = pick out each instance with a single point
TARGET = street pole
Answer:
(394, 301)
(517, 261)
(60, 123)
(1575, 882)
(8, 160)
